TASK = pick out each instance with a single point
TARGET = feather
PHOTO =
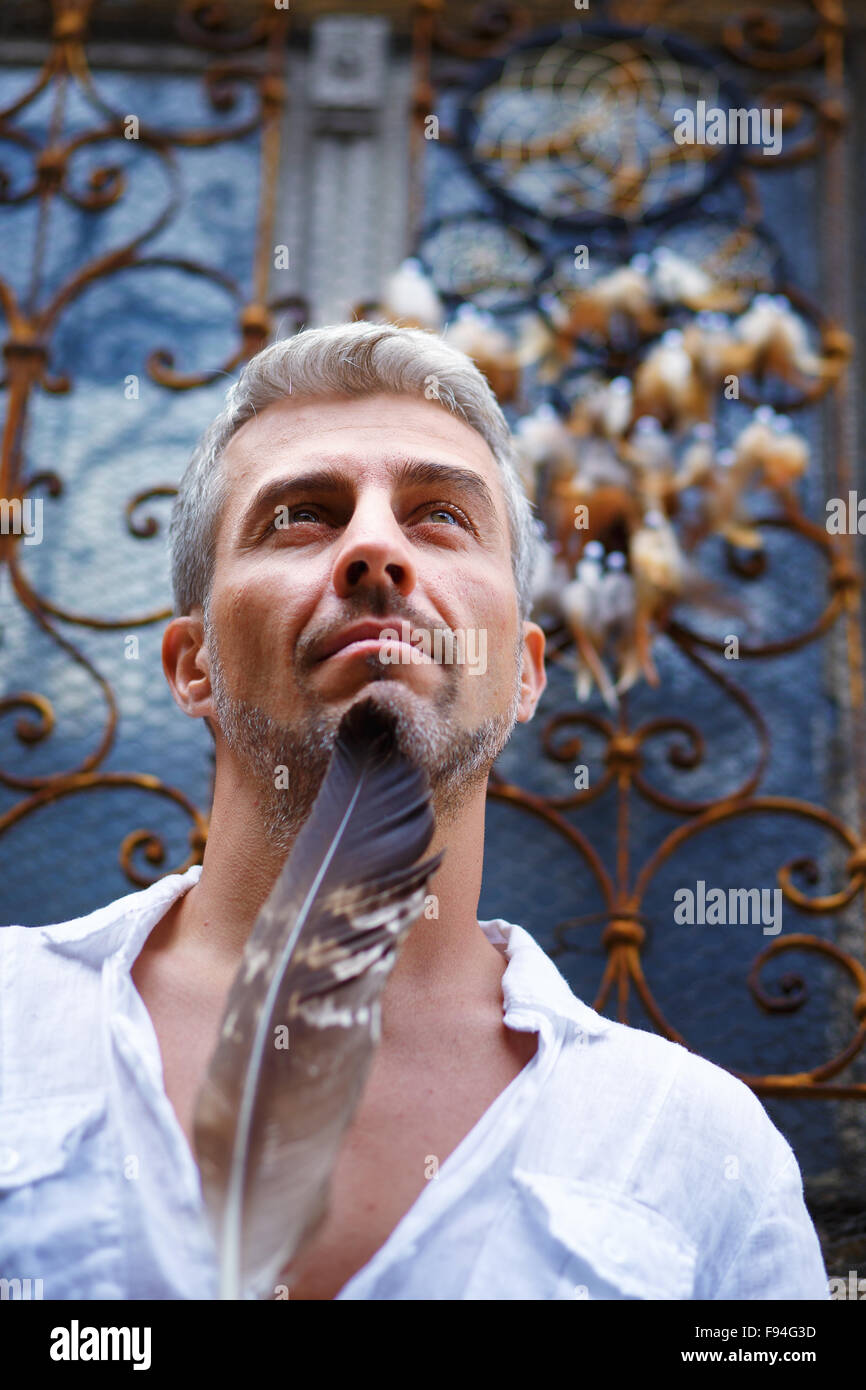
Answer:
(621, 293)
(769, 450)
(778, 337)
(410, 297)
(699, 456)
(270, 1119)
(668, 385)
(541, 438)
(477, 333)
(603, 407)
(678, 280)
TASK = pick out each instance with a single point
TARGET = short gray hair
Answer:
(343, 359)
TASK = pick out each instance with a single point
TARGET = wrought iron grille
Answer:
(732, 772)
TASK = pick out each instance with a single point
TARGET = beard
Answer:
(456, 759)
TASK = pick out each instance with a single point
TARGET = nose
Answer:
(374, 552)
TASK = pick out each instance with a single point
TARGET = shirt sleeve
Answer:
(779, 1257)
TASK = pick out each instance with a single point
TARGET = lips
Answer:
(359, 632)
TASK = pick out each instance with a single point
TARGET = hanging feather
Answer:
(668, 385)
(770, 451)
(779, 339)
(698, 458)
(581, 608)
(269, 1119)
(539, 439)
(716, 353)
(622, 296)
(619, 605)
(724, 503)
(549, 578)
(677, 280)
(545, 341)
(410, 297)
(477, 333)
(602, 407)
(650, 452)
(659, 569)
(595, 501)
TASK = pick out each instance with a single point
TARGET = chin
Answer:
(394, 694)
(412, 681)
(420, 708)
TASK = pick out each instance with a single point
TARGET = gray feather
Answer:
(270, 1117)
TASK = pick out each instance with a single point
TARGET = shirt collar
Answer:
(530, 981)
(122, 926)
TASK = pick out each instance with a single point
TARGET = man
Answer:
(510, 1143)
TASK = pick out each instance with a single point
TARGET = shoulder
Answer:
(685, 1087)
(676, 1137)
(663, 1103)
(645, 1157)
(648, 1086)
(629, 1079)
(36, 960)
(55, 994)
(34, 938)
(98, 916)
(641, 1117)
(90, 938)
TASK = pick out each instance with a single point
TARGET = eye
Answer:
(452, 513)
(286, 516)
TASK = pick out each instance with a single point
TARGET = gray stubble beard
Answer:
(455, 759)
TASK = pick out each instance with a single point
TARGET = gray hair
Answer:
(344, 359)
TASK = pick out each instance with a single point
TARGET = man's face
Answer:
(388, 509)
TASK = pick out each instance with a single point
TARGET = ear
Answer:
(186, 664)
(533, 677)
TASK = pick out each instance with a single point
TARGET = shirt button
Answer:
(8, 1158)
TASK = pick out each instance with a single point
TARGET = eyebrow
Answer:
(333, 479)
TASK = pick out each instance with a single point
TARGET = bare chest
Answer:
(420, 1101)
(407, 1124)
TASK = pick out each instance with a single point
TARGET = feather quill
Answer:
(270, 1119)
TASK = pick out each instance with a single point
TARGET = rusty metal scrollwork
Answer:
(814, 119)
(247, 58)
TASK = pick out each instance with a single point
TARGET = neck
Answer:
(446, 960)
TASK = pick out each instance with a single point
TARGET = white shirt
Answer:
(617, 1165)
